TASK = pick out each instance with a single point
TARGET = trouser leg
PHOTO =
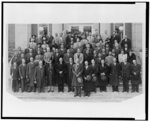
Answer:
(75, 91)
(35, 86)
(31, 88)
(69, 87)
(80, 91)
(62, 87)
(13, 85)
(22, 85)
(113, 88)
(117, 88)
(101, 88)
(16, 85)
(105, 89)
(133, 88)
(124, 86)
(137, 87)
(127, 87)
(58, 87)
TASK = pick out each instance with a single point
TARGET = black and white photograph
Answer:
(74, 60)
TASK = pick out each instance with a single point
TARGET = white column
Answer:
(22, 35)
(56, 28)
(137, 36)
(105, 27)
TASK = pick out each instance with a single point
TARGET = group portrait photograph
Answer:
(78, 60)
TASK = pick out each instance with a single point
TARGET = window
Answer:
(87, 29)
(74, 29)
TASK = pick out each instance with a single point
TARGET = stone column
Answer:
(105, 27)
(11, 40)
(22, 35)
(34, 29)
(56, 28)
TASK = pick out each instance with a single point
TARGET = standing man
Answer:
(50, 74)
(22, 73)
(87, 78)
(125, 75)
(60, 70)
(135, 76)
(70, 74)
(94, 73)
(77, 81)
(30, 75)
(39, 76)
(14, 72)
(103, 76)
(114, 75)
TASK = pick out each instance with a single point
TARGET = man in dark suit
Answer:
(114, 75)
(87, 78)
(14, 72)
(135, 76)
(22, 73)
(68, 40)
(125, 75)
(126, 41)
(39, 76)
(131, 57)
(61, 71)
(115, 36)
(30, 74)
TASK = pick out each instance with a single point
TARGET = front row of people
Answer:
(78, 77)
